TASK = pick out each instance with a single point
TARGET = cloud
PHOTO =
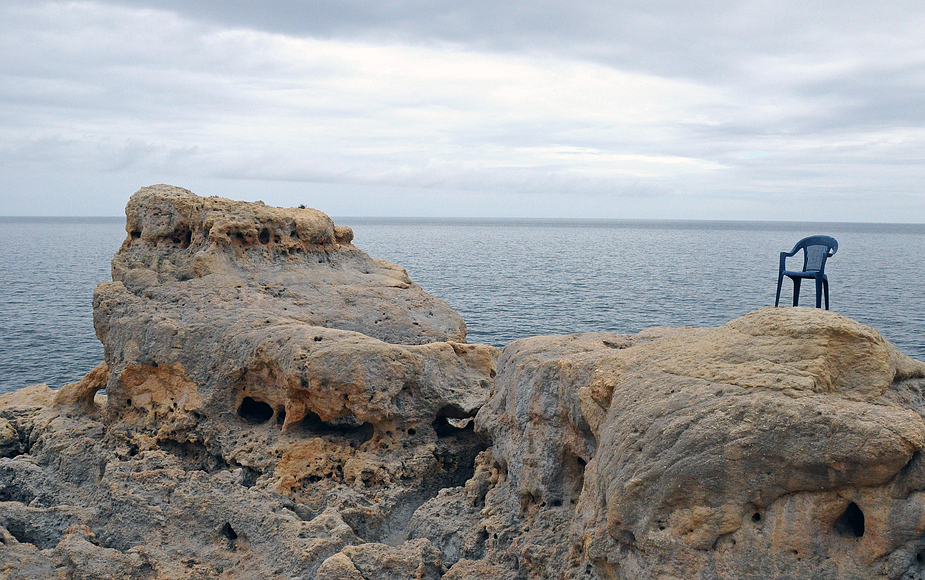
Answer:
(266, 106)
(673, 108)
(709, 39)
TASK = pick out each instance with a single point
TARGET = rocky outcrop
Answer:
(273, 395)
(785, 444)
(216, 302)
(278, 404)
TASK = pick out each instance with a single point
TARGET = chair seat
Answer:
(810, 274)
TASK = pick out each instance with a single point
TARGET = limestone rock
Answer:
(253, 262)
(280, 405)
(9, 439)
(414, 560)
(473, 570)
(220, 306)
(22, 561)
(451, 522)
(274, 396)
(774, 446)
(83, 393)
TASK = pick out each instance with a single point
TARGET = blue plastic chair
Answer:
(816, 250)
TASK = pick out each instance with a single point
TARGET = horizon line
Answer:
(585, 220)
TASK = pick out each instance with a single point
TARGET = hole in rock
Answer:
(452, 420)
(446, 426)
(756, 517)
(482, 537)
(348, 427)
(412, 431)
(16, 493)
(24, 535)
(229, 532)
(254, 411)
(250, 476)
(280, 415)
(528, 499)
(264, 236)
(193, 455)
(455, 464)
(239, 236)
(851, 522)
(454, 412)
(572, 479)
(616, 345)
(135, 234)
(909, 464)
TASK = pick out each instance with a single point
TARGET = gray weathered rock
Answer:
(414, 560)
(10, 446)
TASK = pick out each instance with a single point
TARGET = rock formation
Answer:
(784, 444)
(278, 404)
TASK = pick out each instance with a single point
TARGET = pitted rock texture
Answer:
(255, 262)
(220, 305)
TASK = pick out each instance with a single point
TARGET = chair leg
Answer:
(825, 286)
(819, 293)
(780, 279)
(796, 291)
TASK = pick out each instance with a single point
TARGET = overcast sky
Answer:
(758, 110)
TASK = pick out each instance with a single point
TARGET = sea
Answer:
(508, 278)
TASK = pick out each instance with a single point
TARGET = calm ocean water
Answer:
(508, 278)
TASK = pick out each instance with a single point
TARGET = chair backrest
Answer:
(816, 249)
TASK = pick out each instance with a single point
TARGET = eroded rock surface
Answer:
(785, 444)
(273, 395)
(279, 405)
